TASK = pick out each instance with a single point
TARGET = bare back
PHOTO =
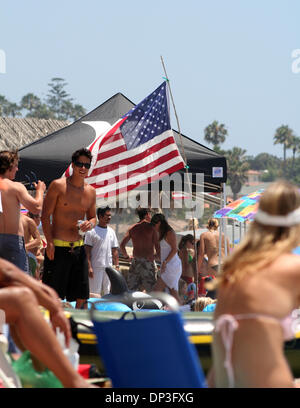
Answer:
(26, 227)
(211, 246)
(273, 291)
(67, 204)
(10, 218)
(143, 237)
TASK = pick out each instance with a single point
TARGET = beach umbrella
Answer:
(243, 209)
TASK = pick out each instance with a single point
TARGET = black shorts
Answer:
(68, 273)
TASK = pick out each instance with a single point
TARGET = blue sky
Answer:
(227, 60)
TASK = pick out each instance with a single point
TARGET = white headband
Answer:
(287, 220)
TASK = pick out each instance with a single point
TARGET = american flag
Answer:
(138, 149)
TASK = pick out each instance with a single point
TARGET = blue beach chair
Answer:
(148, 352)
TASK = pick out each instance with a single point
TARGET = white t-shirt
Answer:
(102, 240)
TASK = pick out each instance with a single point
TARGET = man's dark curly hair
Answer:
(142, 212)
(7, 160)
(102, 210)
(81, 152)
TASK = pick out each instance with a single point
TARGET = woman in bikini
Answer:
(186, 254)
(170, 268)
(258, 294)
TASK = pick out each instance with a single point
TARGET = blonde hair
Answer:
(193, 223)
(202, 302)
(263, 243)
(212, 223)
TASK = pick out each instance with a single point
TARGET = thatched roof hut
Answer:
(18, 132)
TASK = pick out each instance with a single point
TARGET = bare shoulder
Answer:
(90, 189)
(15, 185)
(149, 226)
(170, 234)
(16, 189)
(133, 227)
(57, 186)
(31, 222)
(58, 183)
(289, 264)
(293, 261)
(28, 223)
(25, 219)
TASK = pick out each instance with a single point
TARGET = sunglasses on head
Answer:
(81, 164)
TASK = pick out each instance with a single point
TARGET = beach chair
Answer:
(148, 352)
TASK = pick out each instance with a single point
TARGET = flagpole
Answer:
(177, 120)
(186, 170)
(220, 237)
(225, 221)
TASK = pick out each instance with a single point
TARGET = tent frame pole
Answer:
(220, 236)
(186, 170)
(225, 221)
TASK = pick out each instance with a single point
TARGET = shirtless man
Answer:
(143, 270)
(32, 241)
(209, 245)
(12, 195)
(69, 200)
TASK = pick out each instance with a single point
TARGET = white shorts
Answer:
(100, 282)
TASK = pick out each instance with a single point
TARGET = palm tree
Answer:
(237, 166)
(295, 146)
(4, 106)
(215, 133)
(284, 136)
(13, 110)
(30, 102)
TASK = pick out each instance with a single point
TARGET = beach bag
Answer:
(30, 378)
(8, 377)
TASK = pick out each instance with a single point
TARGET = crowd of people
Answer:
(76, 248)
(70, 264)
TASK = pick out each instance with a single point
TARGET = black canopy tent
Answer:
(47, 158)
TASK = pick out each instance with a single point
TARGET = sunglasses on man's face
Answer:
(81, 164)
